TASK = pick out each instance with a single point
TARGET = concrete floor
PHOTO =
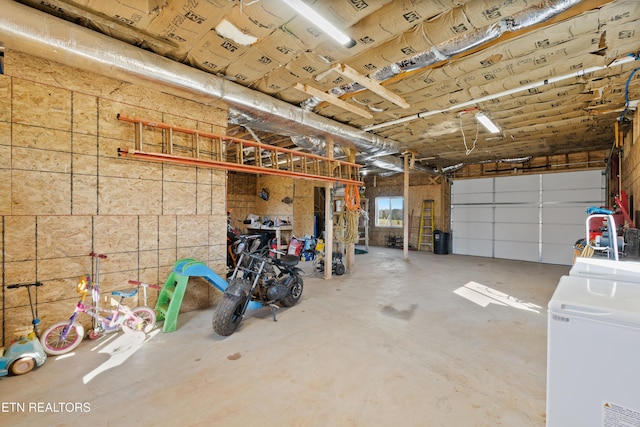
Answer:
(390, 344)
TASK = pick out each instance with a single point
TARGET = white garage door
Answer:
(530, 217)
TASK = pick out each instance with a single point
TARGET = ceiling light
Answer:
(540, 83)
(320, 22)
(487, 123)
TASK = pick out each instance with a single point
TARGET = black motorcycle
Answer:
(258, 278)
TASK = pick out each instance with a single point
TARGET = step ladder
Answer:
(425, 241)
(171, 295)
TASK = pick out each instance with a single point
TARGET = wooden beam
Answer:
(332, 99)
(370, 84)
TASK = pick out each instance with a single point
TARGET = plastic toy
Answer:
(26, 351)
(64, 336)
(23, 354)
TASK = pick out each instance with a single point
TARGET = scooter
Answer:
(25, 352)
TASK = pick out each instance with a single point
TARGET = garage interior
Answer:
(141, 129)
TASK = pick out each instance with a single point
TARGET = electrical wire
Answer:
(346, 227)
(626, 95)
(464, 138)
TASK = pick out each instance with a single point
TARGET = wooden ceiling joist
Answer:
(332, 99)
(370, 84)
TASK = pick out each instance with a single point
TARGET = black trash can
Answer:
(440, 242)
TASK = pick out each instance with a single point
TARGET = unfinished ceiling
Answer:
(555, 76)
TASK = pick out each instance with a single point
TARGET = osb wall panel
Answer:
(41, 105)
(65, 192)
(5, 102)
(278, 187)
(303, 207)
(243, 199)
(421, 187)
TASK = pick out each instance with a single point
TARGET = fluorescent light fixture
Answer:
(320, 22)
(487, 123)
(540, 83)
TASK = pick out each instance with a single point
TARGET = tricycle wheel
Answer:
(228, 314)
(94, 334)
(22, 366)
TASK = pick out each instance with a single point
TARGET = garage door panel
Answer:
(517, 214)
(516, 232)
(582, 195)
(474, 247)
(518, 197)
(534, 218)
(557, 253)
(566, 234)
(523, 251)
(573, 180)
(472, 198)
(466, 186)
(563, 214)
(472, 213)
(473, 230)
(523, 183)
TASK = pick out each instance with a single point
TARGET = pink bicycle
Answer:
(65, 336)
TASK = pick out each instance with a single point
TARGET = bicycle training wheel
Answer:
(62, 338)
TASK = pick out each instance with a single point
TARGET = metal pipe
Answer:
(39, 34)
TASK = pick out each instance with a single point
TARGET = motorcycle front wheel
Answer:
(228, 314)
(294, 293)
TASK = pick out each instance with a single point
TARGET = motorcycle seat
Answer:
(289, 260)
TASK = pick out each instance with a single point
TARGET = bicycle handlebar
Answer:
(20, 285)
(97, 255)
(144, 285)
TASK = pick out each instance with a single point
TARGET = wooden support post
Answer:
(405, 210)
(328, 219)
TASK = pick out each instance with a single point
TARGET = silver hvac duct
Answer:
(36, 33)
(76, 46)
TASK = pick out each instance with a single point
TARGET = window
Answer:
(389, 211)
